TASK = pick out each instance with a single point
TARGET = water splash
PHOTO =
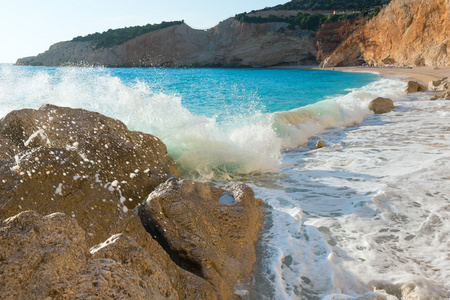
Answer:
(240, 138)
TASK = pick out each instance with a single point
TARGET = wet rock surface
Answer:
(381, 105)
(209, 231)
(413, 87)
(81, 163)
(442, 96)
(88, 174)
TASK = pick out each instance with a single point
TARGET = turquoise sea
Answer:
(365, 217)
(217, 123)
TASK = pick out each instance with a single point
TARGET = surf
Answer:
(237, 129)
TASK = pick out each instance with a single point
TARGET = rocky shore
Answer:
(91, 209)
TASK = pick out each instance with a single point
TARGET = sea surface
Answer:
(365, 217)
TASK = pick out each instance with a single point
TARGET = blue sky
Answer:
(29, 27)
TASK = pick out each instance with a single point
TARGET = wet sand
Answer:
(421, 74)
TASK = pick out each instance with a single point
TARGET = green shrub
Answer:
(114, 37)
(303, 21)
(327, 5)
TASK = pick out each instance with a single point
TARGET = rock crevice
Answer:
(71, 182)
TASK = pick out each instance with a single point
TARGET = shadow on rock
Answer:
(208, 231)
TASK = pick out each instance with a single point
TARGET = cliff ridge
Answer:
(229, 44)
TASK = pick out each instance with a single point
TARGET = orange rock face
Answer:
(406, 32)
(330, 35)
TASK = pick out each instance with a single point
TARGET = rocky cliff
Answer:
(331, 35)
(229, 44)
(406, 32)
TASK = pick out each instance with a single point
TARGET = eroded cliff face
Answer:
(406, 32)
(331, 35)
(229, 44)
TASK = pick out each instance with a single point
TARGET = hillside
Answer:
(406, 32)
(243, 41)
(328, 5)
(229, 44)
(114, 37)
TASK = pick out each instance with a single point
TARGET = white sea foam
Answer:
(205, 148)
(366, 217)
(374, 221)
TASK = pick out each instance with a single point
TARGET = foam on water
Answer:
(366, 217)
(299, 124)
(242, 140)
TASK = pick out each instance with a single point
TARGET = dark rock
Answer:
(93, 171)
(208, 231)
(381, 105)
(413, 87)
(82, 163)
(319, 145)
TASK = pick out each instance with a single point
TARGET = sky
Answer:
(30, 27)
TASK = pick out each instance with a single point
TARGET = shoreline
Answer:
(421, 74)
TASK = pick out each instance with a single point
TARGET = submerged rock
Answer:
(82, 163)
(413, 87)
(381, 105)
(442, 96)
(439, 85)
(208, 231)
(49, 257)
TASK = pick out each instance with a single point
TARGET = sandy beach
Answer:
(421, 74)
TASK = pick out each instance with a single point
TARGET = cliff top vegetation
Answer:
(328, 5)
(114, 37)
(305, 20)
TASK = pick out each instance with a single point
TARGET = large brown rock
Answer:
(413, 87)
(93, 171)
(381, 105)
(209, 231)
(49, 258)
(406, 32)
(82, 163)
